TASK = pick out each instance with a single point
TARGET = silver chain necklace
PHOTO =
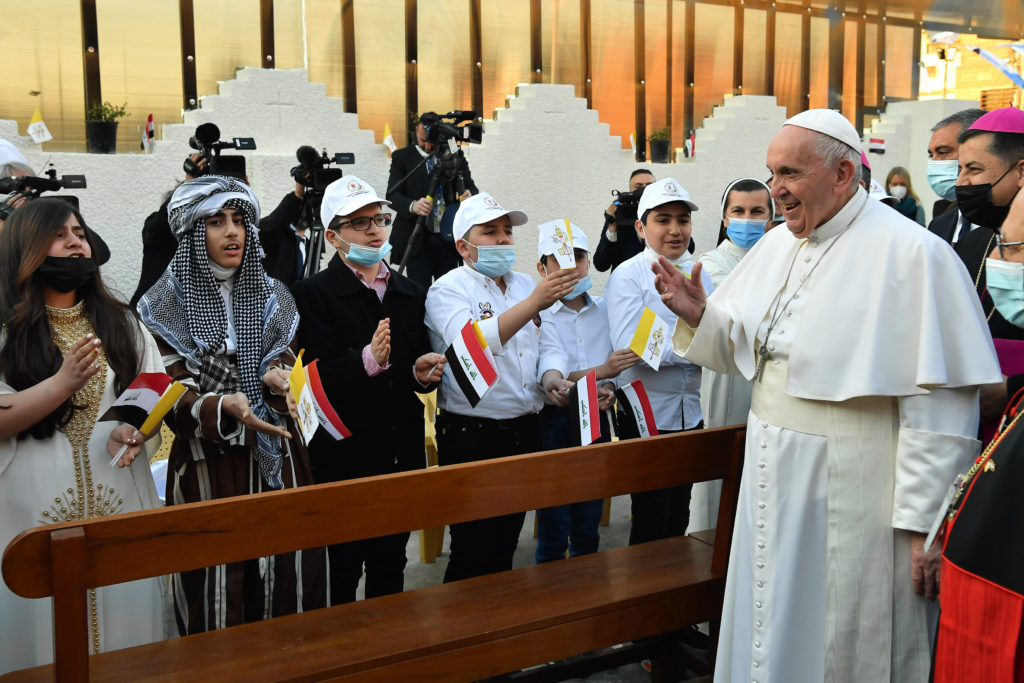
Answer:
(763, 354)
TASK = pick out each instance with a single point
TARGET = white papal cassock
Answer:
(866, 411)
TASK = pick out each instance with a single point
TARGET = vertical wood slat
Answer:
(689, 51)
(668, 64)
(737, 50)
(805, 60)
(769, 52)
(836, 42)
(90, 54)
(189, 89)
(536, 46)
(858, 117)
(348, 48)
(915, 72)
(640, 88)
(476, 58)
(880, 61)
(267, 56)
(585, 52)
(412, 103)
(70, 608)
(727, 506)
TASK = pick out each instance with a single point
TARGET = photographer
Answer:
(619, 241)
(407, 190)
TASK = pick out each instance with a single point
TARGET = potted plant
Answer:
(660, 140)
(101, 126)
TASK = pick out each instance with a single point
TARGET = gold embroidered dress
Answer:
(63, 478)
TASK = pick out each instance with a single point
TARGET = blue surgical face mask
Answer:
(494, 260)
(1005, 282)
(366, 256)
(579, 288)
(942, 177)
(745, 232)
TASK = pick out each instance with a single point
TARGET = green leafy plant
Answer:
(660, 134)
(105, 111)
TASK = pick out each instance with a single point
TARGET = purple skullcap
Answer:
(864, 160)
(1008, 120)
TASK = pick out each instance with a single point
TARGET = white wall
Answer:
(546, 154)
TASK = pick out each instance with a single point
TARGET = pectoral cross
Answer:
(762, 358)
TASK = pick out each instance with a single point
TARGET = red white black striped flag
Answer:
(637, 408)
(472, 363)
(588, 416)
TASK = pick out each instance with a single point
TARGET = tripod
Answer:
(309, 220)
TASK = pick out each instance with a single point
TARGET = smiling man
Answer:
(849, 318)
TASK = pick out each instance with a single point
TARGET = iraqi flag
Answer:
(637, 408)
(328, 419)
(471, 363)
(876, 145)
(588, 417)
(146, 401)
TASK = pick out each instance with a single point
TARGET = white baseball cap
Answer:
(827, 122)
(482, 208)
(661, 192)
(545, 245)
(346, 195)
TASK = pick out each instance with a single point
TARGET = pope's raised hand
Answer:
(683, 295)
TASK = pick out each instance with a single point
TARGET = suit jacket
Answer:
(945, 226)
(413, 188)
(280, 243)
(338, 316)
(611, 254)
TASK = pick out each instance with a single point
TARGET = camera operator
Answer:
(435, 255)
(280, 242)
(619, 241)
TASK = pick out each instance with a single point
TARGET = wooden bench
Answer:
(468, 630)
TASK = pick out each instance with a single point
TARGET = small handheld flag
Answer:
(37, 128)
(559, 232)
(147, 135)
(472, 363)
(325, 414)
(650, 337)
(303, 396)
(145, 402)
(389, 139)
(588, 416)
(636, 406)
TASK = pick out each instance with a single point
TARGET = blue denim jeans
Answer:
(571, 527)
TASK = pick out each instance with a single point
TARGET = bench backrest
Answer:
(63, 560)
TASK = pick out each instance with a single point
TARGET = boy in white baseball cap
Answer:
(363, 323)
(506, 306)
(580, 323)
(674, 389)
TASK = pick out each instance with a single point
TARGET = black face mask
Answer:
(67, 273)
(977, 205)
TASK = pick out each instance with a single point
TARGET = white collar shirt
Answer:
(583, 336)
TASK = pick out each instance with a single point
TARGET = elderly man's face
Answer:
(809, 192)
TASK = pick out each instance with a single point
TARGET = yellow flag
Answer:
(37, 128)
(389, 140)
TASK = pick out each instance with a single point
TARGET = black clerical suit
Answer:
(435, 255)
(338, 316)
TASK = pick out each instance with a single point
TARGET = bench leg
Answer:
(606, 512)
(431, 542)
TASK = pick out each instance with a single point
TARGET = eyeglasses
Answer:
(1001, 244)
(362, 223)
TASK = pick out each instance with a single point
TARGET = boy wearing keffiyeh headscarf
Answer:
(224, 328)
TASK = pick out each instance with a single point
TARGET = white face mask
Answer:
(898, 191)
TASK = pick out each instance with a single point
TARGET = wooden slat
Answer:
(267, 55)
(90, 54)
(585, 55)
(71, 626)
(412, 100)
(689, 69)
(189, 87)
(154, 542)
(639, 80)
(769, 52)
(467, 630)
(536, 44)
(728, 501)
(348, 48)
(476, 57)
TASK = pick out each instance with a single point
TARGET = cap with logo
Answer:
(663, 192)
(479, 209)
(347, 195)
(546, 245)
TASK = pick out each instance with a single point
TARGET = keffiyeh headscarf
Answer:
(185, 308)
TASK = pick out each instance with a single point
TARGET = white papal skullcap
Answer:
(827, 122)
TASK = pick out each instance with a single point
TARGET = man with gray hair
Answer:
(866, 347)
(943, 167)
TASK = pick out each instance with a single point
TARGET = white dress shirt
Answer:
(583, 336)
(462, 295)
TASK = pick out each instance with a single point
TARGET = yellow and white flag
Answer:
(37, 128)
(558, 236)
(389, 139)
(632, 142)
(651, 338)
(297, 384)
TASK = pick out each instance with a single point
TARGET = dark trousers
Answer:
(435, 257)
(661, 513)
(384, 560)
(484, 546)
(572, 527)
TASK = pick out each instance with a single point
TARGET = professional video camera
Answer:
(207, 140)
(30, 187)
(439, 131)
(315, 174)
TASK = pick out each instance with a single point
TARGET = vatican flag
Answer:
(389, 139)
(37, 128)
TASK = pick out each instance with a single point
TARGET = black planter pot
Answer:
(659, 151)
(101, 136)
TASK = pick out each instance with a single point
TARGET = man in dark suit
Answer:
(407, 192)
(364, 325)
(943, 152)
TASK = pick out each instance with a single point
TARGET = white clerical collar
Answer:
(842, 219)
